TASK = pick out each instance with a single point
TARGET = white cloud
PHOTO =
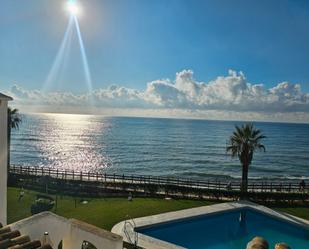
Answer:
(232, 93)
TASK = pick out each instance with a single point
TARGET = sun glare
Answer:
(73, 8)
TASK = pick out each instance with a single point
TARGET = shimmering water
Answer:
(152, 146)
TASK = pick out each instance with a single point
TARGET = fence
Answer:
(253, 186)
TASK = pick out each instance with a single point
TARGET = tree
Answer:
(243, 143)
(14, 119)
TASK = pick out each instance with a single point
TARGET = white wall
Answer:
(3, 161)
(101, 239)
(72, 232)
(35, 226)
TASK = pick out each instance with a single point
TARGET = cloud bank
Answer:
(226, 96)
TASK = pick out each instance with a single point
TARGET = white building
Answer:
(71, 232)
(3, 156)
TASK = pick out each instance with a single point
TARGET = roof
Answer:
(5, 97)
(13, 239)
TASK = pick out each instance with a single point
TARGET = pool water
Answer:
(231, 229)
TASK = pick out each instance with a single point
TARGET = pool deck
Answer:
(127, 228)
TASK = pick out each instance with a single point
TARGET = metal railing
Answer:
(253, 186)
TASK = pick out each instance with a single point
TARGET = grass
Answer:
(106, 212)
(102, 212)
(302, 212)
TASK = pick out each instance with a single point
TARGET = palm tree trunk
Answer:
(244, 179)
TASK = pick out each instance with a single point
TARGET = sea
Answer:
(183, 148)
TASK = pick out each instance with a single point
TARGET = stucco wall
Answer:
(100, 238)
(35, 226)
(71, 232)
(3, 161)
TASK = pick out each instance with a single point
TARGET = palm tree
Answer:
(243, 143)
(14, 119)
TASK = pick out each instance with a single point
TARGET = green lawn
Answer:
(102, 212)
(106, 212)
(302, 212)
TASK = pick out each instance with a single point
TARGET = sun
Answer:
(73, 8)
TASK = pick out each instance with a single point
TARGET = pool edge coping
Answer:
(154, 243)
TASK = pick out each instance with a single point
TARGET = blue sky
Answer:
(133, 42)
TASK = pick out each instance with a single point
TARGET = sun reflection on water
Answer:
(70, 142)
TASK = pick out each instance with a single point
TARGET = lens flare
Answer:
(73, 8)
(84, 56)
(61, 59)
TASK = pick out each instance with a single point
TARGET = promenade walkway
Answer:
(158, 185)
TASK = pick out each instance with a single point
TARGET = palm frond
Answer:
(244, 141)
(261, 147)
(14, 118)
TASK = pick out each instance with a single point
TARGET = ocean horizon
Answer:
(188, 148)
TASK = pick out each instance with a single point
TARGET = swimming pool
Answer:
(227, 225)
(232, 229)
